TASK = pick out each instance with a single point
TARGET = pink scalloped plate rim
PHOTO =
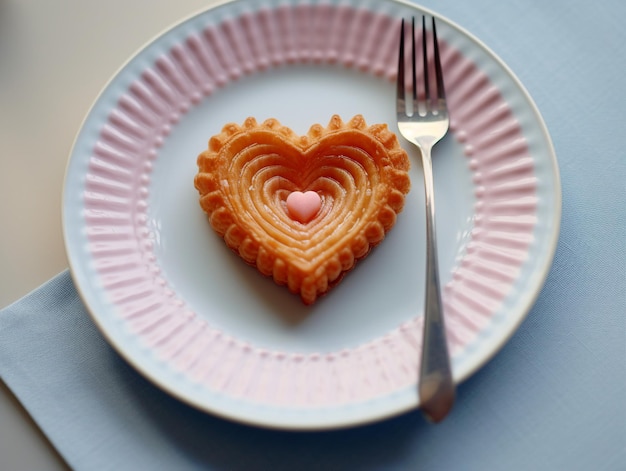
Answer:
(113, 239)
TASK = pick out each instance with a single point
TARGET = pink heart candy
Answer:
(303, 206)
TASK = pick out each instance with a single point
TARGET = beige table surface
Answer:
(55, 57)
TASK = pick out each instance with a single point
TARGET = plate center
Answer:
(382, 292)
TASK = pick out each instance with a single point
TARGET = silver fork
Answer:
(424, 127)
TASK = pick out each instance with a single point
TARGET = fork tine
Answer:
(431, 102)
(425, 64)
(400, 85)
(441, 91)
(413, 66)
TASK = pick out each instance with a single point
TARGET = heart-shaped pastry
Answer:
(303, 209)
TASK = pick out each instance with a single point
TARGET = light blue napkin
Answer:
(553, 399)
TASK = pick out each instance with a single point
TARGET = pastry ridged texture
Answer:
(247, 172)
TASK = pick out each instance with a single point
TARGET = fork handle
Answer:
(436, 387)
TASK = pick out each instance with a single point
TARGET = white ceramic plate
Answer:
(192, 317)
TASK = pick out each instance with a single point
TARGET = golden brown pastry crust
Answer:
(247, 172)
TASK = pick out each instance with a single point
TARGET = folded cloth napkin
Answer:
(524, 410)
